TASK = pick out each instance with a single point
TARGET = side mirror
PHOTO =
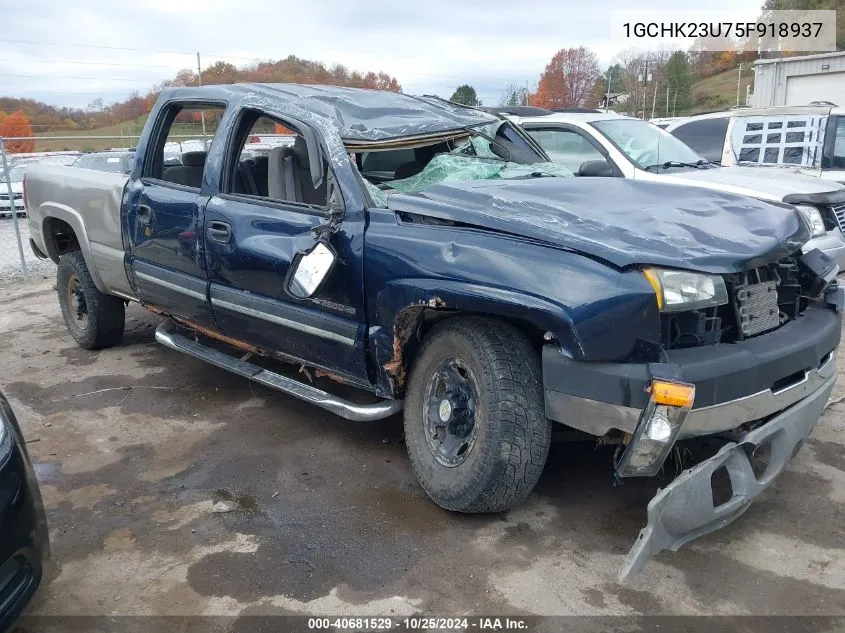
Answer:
(596, 168)
(309, 270)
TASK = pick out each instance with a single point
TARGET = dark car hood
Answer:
(621, 221)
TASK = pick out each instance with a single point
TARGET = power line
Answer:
(84, 62)
(125, 48)
(70, 77)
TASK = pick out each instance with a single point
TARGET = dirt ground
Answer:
(134, 446)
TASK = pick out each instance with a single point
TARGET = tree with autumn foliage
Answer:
(17, 125)
(569, 80)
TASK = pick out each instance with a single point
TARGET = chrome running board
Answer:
(167, 335)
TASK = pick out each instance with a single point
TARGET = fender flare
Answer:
(403, 304)
(58, 211)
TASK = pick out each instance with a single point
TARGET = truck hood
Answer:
(760, 182)
(621, 221)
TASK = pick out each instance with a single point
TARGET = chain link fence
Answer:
(16, 257)
(17, 260)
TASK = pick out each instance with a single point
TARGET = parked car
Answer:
(115, 162)
(806, 139)
(664, 122)
(480, 287)
(607, 144)
(15, 179)
(24, 541)
(49, 158)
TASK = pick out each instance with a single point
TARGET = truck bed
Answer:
(89, 201)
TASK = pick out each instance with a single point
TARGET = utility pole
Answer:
(674, 101)
(738, 79)
(199, 83)
(654, 99)
(667, 98)
(607, 96)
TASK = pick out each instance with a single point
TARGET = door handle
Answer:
(219, 232)
(145, 214)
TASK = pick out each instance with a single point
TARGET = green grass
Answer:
(130, 130)
(718, 92)
(127, 129)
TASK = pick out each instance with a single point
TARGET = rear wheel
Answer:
(95, 320)
(475, 423)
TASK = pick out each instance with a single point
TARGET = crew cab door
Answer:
(165, 209)
(265, 212)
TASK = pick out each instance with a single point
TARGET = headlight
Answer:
(680, 290)
(814, 219)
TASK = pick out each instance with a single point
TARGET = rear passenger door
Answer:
(165, 214)
(265, 212)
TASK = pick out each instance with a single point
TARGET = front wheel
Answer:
(95, 320)
(475, 423)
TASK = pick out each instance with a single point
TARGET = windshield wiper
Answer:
(676, 163)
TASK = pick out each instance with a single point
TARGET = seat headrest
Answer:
(193, 159)
(300, 152)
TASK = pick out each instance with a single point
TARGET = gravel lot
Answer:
(134, 446)
(10, 260)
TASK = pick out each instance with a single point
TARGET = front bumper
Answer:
(685, 509)
(735, 383)
(831, 244)
(5, 207)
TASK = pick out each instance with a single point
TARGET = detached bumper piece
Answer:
(687, 509)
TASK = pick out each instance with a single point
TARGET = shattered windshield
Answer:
(452, 168)
(492, 151)
(647, 146)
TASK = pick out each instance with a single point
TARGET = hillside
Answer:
(718, 92)
(130, 130)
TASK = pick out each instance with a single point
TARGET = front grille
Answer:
(5, 196)
(761, 300)
(757, 307)
(839, 212)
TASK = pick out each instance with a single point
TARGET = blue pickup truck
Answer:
(429, 257)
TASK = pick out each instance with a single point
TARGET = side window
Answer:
(271, 162)
(707, 137)
(837, 154)
(182, 143)
(566, 147)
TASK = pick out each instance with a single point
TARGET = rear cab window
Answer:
(181, 142)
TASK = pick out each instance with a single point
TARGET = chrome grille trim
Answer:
(839, 213)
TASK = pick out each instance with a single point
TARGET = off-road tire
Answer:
(513, 433)
(106, 315)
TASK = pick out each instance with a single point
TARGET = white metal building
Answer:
(799, 80)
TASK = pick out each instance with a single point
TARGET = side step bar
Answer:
(167, 335)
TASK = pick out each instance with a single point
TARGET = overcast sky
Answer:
(70, 53)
